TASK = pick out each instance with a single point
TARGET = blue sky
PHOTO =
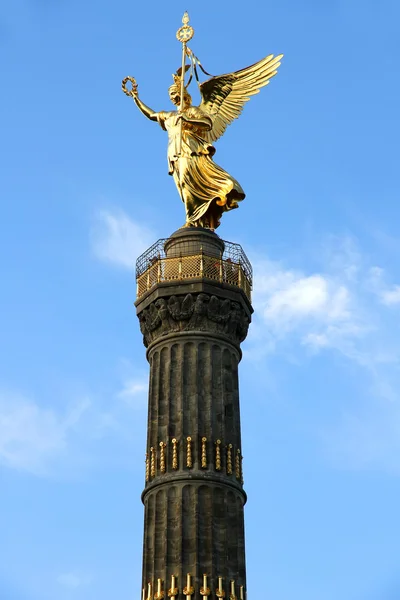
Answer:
(85, 189)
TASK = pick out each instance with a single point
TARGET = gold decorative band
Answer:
(189, 589)
(225, 458)
(192, 267)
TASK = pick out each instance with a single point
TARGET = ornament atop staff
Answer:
(205, 188)
(184, 35)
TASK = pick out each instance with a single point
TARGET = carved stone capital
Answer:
(194, 312)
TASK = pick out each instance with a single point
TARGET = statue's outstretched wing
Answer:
(224, 96)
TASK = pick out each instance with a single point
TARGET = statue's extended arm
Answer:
(148, 112)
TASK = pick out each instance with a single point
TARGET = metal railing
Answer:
(154, 267)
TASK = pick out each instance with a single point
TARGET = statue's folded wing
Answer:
(224, 96)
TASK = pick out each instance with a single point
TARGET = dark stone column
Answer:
(194, 494)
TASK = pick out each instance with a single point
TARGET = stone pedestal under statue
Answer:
(194, 311)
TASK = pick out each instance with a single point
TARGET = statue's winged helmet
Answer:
(175, 89)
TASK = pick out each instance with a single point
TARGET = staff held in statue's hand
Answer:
(184, 34)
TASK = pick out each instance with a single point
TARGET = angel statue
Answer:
(205, 188)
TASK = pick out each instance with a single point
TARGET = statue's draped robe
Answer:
(205, 188)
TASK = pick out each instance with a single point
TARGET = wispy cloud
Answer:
(51, 441)
(134, 391)
(345, 307)
(135, 385)
(117, 239)
(31, 436)
(286, 299)
(391, 296)
(388, 294)
(335, 307)
(74, 580)
(316, 310)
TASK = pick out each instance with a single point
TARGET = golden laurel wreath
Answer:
(133, 89)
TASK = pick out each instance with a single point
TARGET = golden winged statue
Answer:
(206, 189)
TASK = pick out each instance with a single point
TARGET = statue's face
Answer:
(175, 98)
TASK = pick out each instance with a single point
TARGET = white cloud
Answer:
(388, 295)
(135, 383)
(48, 440)
(117, 239)
(301, 297)
(73, 580)
(344, 306)
(391, 296)
(32, 436)
(315, 308)
(134, 392)
(318, 340)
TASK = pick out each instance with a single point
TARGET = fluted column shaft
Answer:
(194, 512)
(193, 392)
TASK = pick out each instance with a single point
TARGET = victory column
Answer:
(194, 309)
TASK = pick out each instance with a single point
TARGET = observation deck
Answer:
(189, 256)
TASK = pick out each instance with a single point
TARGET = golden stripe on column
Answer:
(233, 592)
(237, 465)
(218, 455)
(189, 461)
(205, 591)
(189, 589)
(149, 594)
(173, 591)
(162, 456)
(220, 590)
(203, 452)
(174, 454)
(229, 459)
(160, 593)
(152, 462)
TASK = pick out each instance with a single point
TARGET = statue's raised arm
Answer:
(206, 189)
(133, 92)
